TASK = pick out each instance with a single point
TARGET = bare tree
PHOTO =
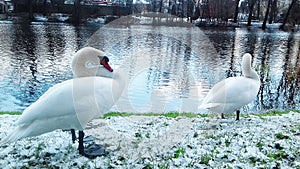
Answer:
(45, 10)
(266, 15)
(206, 12)
(273, 12)
(294, 16)
(76, 12)
(251, 4)
(258, 9)
(236, 11)
(30, 8)
(196, 11)
(287, 14)
(161, 6)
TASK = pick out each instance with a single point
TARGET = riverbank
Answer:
(144, 19)
(267, 141)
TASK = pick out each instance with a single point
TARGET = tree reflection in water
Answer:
(284, 93)
(171, 68)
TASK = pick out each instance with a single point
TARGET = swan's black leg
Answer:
(80, 140)
(222, 116)
(73, 135)
(238, 115)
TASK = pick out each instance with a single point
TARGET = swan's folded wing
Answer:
(230, 90)
(54, 102)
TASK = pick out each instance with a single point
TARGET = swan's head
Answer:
(88, 60)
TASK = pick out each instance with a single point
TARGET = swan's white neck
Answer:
(247, 69)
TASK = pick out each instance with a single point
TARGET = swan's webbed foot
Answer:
(92, 150)
(237, 115)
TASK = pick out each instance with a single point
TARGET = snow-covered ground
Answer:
(161, 142)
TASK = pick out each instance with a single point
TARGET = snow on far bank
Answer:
(161, 142)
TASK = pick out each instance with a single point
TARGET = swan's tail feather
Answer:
(16, 134)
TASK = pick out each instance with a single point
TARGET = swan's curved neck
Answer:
(247, 69)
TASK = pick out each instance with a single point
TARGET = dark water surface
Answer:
(170, 68)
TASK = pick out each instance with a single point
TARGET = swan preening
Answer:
(73, 103)
(231, 94)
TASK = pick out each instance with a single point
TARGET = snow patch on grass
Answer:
(164, 142)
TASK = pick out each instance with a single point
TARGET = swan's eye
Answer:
(105, 58)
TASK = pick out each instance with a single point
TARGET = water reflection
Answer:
(282, 92)
(159, 67)
(170, 68)
(276, 56)
(34, 58)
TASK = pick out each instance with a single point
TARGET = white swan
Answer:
(73, 103)
(231, 94)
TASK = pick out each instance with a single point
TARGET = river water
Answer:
(171, 68)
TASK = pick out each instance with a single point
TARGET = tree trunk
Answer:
(258, 10)
(30, 9)
(236, 11)
(161, 6)
(45, 7)
(287, 14)
(263, 27)
(273, 12)
(208, 9)
(251, 7)
(76, 12)
(196, 12)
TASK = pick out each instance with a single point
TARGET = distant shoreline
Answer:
(148, 19)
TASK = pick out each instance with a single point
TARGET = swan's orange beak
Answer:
(104, 62)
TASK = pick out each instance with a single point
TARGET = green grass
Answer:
(259, 144)
(125, 114)
(281, 136)
(278, 155)
(194, 115)
(177, 114)
(205, 159)
(227, 143)
(179, 151)
(169, 114)
(10, 113)
(277, 113)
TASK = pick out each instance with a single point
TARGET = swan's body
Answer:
(232, 93)
(70, 104)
